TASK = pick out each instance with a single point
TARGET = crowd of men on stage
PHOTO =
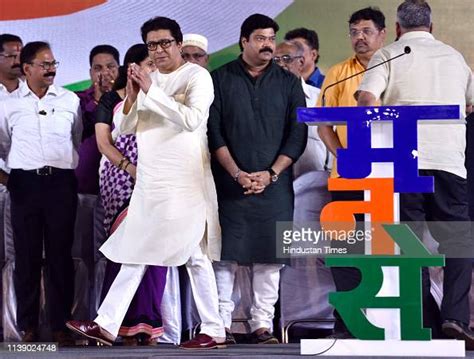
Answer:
(217, 156)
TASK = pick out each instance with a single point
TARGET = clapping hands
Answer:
(137, 79)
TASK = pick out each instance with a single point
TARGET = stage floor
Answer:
(247, 351)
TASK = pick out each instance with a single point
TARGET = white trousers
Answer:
(265, 283)
(203, 283)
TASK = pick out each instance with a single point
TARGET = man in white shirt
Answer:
(10, 74)
(310, 41)
(289, 55)
(434, 73)
(40, 130)
(10, 71)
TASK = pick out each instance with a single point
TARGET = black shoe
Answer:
(29, 335)
(229, 338)
(63, 338)
(459, 330)
(264, 338)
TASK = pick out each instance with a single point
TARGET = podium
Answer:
(384, 312)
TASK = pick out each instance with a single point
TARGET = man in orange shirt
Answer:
(367, 34)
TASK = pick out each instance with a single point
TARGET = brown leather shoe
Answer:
(130, 341)
(92, 330)
(459, 330)
(63, 338)
(200, 341)
(263, 337)
(147, 340)
(29, 335)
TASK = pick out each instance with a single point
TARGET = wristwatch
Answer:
(273, 174)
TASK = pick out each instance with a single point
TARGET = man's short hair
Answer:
(254, 22)
(162, 23)
(8, 38)
(413, 14)
(29, 51)
(104, 49)
(310, 36)
(369, 13)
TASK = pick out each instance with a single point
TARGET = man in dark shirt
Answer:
(104, 61)
(254, 140)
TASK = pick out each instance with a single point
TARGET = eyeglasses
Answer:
(10, 56)
(196, 56)
(286, 59)
(164, 44)
(366, 32)
(47, 65)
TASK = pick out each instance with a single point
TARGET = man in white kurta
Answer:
(172, 218)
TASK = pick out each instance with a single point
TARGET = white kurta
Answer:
(315, 155)
(174, 196)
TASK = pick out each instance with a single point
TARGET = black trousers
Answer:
(347, 278)
(446, 215)
(43, 211)
(470, 162)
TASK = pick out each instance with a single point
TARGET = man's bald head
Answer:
(289, 55)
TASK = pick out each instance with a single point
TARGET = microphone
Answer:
(406, 51)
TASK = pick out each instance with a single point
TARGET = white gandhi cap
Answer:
(195, 40)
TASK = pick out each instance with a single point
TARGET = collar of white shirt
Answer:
(24, 90)
(311, 93)
(416, 34)
(3, 89)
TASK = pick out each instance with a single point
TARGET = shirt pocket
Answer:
(56, 126)
(61, 122)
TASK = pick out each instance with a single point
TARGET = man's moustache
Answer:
(17, 66)
(266, 49)
(49, 74)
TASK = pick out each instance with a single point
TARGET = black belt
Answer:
(47, 171)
